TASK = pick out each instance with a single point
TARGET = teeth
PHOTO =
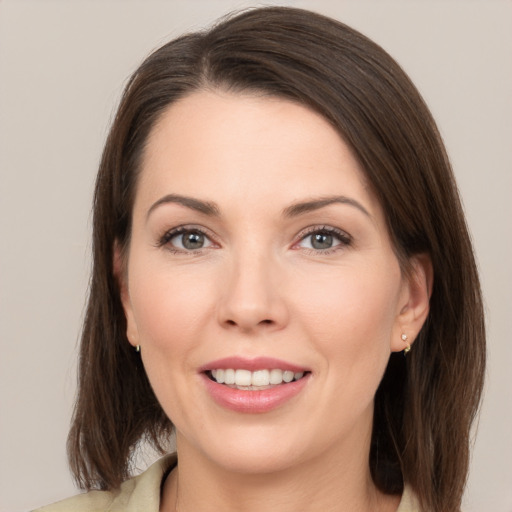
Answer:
(276, 376)
(243, 377)
(288, 376)
(229, 376)
(259, 378)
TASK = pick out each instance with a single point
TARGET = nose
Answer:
(252, 297)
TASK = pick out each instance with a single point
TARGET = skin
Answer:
(258, 287)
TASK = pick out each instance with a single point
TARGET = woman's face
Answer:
(259, 255)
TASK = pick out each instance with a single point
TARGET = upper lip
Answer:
(252, 364)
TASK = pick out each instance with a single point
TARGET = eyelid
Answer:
(344, 237)
(169, 234)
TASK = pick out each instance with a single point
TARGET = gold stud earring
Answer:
(137, 348)
(408, 347)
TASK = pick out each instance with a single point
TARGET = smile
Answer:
(254, 386)
(253, 380)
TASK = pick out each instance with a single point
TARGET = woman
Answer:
(275, 226)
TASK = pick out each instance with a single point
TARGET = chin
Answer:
(257, 460)
(254, 451)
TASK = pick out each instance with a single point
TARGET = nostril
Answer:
(262, 322)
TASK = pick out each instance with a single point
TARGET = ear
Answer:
(414, 304)
(121, 276)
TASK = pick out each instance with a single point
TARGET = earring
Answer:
(137, 348)
(408, 347)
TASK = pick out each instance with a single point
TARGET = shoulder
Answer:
(93, 500)
(409, 502)
(139, 493)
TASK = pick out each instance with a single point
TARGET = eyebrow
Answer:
(315, 204)
(204, 207)
(212, 210)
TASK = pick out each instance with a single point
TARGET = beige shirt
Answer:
(142, 494)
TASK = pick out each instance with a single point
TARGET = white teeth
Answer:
(229, 376)
(288, 376)
(259, 378)
(276, 376)
(243, 378)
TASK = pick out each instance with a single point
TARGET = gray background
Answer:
(62, 67)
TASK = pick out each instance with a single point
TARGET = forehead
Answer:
(247, 146)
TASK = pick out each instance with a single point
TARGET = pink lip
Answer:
(255, 402)
(258, 363)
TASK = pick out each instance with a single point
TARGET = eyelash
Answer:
(164, 240)
(345, 240)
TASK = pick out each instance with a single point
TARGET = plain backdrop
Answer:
(62, 67)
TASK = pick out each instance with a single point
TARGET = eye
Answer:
(184, 239)
(324, 239)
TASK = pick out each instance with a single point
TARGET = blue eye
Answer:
(184, 239)
(324, 239)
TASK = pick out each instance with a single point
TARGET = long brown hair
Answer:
(426, 403)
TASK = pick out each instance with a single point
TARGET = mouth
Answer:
(254, 385)
(258, 380)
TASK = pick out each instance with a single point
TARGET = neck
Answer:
(338, 481)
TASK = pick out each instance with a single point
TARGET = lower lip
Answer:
(254, 402)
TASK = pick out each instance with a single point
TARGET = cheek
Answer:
(351, 318)
(169, 308)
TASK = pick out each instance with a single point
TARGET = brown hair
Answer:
(426, 403)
